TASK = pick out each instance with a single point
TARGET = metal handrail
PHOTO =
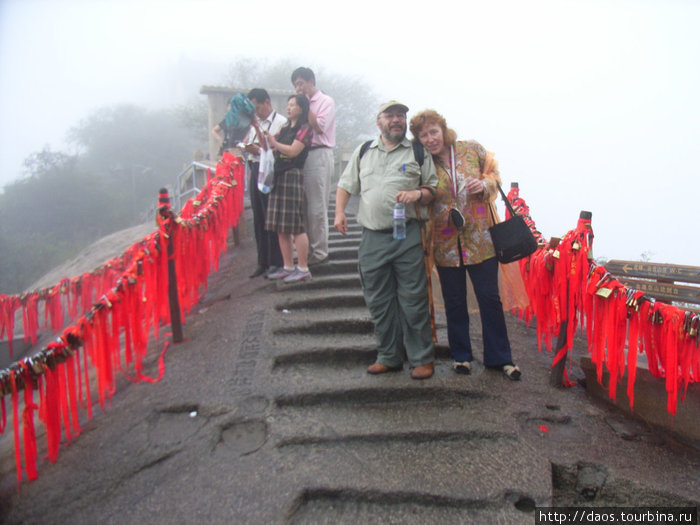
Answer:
(184, 190)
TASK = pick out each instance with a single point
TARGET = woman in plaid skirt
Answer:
(285, 212)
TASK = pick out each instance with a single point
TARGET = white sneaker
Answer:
(297, 276)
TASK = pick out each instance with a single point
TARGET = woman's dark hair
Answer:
(303, 103)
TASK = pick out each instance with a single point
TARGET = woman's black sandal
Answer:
(512, 372)
(463, 368)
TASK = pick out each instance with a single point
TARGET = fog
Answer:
(589, 105)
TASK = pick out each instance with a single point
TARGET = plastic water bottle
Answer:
(399, 220)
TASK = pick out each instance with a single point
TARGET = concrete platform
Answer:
(650, 402)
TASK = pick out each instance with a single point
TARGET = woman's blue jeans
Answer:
(484, 277)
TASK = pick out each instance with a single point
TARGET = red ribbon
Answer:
(28, 430)
(132, 297)
(15, 421)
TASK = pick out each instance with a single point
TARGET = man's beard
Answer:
(394, 136)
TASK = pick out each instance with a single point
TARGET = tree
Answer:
(135, 151)
(356, 106)
(646, 256)
(193, 117)
(256, 73)
(64, 202)
(47, 216)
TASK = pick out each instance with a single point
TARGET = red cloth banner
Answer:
(565, 285)
(125, 303)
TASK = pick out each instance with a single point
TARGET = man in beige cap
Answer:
(383, 172)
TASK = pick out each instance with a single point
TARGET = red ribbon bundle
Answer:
(8, 306)
(521, 208)
(61, 302)
(201, 237)
(538, 276)
(114, 333)
(565, 285)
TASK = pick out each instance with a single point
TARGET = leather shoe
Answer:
(378, 368)
(317, 262)
(258, 272)
(423, 371)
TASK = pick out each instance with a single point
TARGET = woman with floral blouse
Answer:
(461, 216)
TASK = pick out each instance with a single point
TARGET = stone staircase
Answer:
(388, 449)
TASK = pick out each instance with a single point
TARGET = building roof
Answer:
(207, 90)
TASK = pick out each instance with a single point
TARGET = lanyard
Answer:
(255, 139)
(274, 114)
(453, 175)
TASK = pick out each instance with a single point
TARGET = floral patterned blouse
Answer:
(473, 239)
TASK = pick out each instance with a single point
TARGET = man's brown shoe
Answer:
(423, 371)
(378, 368)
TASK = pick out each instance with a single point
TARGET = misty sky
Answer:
(589, 105)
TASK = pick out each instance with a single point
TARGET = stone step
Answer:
(344, 366)
(356, 322)
(344, 253)
(345, 506)
(354, 230)
(322, 282)
(355, 235)
(338, 267)
(389, 413)
(343, 242)
(368, 431)
(453, 453)
(323, 301)
(375, 476)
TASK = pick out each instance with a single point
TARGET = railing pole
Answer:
(236, 236)
(557, 376)
(175, 320)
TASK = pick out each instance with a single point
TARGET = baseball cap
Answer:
(392, 104)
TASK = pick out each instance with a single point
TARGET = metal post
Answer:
(557, 376)
(175, 321)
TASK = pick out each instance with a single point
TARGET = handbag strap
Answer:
(507, 202)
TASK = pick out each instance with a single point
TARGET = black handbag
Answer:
(512, 239)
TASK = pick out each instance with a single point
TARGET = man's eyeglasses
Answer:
(392, 116)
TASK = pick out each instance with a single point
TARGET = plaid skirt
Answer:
(285, 209)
